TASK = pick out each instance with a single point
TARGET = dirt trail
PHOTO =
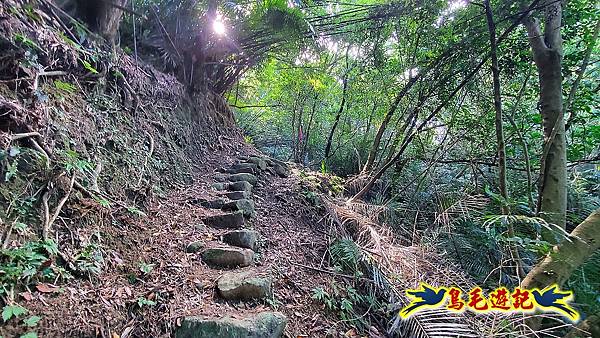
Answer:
(125, 301)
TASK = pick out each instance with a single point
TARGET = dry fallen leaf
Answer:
(46, 288)
(26, 295)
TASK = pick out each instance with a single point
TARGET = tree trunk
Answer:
(386, 120)
(547, 54)
(523, 141)
(500, 134)
(410, 137)
(103, 17)
(337, 118)
(310, 121)
(567, 256)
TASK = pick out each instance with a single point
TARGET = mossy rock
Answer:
(262, 325)
(234, 220)
(242, 238)
(238, 195)
(194, 247)
(243, 286)
(227, 257)
(259, 162)
(246, 206)
(243, 177)
(240, 186)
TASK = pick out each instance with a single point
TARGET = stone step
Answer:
(250, 178)
(228, 257)
(262, 325)
(194, 247)
(242, 238)
(281, 170)
(243, 168)
(245, 285)
(246, 206)
(239, 186)
(238, 195)
(234, 220)
(259, 162)
(211, 204)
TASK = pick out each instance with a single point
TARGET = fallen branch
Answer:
(50, 220)
(34, 143)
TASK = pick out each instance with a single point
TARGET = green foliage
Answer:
(25, 41)
(64, 86)
(32, 321)
(26, 264)
(10, 311)
(89, 67)
(142, 301)
(89, 260)
(146, 268)
(346, 256)
(347, 303)
(29, 335)
(135, 211)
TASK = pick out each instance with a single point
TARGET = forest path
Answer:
(174, 262)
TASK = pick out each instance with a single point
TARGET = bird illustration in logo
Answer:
(423, 297)
(551, 298)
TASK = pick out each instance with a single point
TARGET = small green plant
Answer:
(102, 201)
(30, 12)
(146, 268)
(248, 139)
(12, 311)
(89, 67)
(74, 162)
(64, 86)
(135, 211)
(324, 297)
(323, 167)
(32, 321)
(29, 335)
(22, 39)
(26, 263)
(273, 302)
(90, 260)
(143, 301)
(346, 302)
(312, 197)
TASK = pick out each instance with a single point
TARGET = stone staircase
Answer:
(235, 256)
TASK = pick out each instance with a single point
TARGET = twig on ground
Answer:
(61, 203)
(150, 152)
(328, 272)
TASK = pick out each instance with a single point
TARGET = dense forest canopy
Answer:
(468, 127)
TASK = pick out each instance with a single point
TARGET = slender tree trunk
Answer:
(293, 131)
(500, 134)
(410, 137)
(466, 80)
(386, 120)
(567, 256)
(547, 54)
(523, 142)
(337, 118)
(310, 121)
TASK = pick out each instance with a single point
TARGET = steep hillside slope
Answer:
(108, 169)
